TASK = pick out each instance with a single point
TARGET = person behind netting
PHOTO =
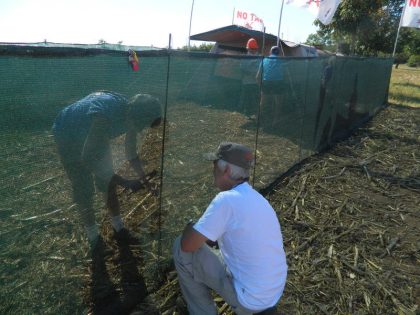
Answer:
(323, 140)
(83, 131)
(273, 87)
(249, 271)
(249, 89)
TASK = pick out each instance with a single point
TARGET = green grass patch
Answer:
(404, 88)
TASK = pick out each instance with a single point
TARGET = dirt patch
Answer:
(350, 221)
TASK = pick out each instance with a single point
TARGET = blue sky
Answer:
(139, 22)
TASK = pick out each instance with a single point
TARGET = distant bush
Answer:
(414, 61)
(401, 58)
(203, 47)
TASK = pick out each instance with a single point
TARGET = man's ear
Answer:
(227, 171)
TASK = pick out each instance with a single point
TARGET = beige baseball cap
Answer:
(234, 153)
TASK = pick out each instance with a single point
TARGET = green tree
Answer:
(319, 40)
(203, 47)
(409, 41)
(369, 27)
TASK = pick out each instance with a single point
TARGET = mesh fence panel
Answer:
(202, 109)
(207, 99)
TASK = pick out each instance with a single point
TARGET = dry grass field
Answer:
(404, 87)
(349, 217)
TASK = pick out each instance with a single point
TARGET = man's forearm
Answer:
(116, 180)
(191, 239)
(137, 166)
(188, 229)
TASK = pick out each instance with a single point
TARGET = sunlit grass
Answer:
(404, 88)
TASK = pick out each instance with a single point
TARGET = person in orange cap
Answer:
(252, 46)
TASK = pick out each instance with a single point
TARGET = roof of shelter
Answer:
(237, 36)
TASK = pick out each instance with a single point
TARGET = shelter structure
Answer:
(232, 39)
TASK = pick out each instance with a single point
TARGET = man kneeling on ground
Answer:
(249, 271)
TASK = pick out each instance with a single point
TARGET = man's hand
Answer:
(132, 184)
(151, 187)
(144, 179)
(129, 184)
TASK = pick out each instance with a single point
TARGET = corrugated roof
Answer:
(237, 36)
(234, 35)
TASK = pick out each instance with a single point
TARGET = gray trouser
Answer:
(200, 271)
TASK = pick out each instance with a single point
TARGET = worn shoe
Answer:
(125, 236)
(181, 306)
(269, 311)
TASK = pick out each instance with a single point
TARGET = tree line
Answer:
(367, 28)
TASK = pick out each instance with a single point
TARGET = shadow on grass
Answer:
(106, 298)
(133, 285)
(408, 85)
(409, 68)
(405, 97)
(410, 182)
(391, 136)
(400, 106)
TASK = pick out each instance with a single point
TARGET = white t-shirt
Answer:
(249, 236)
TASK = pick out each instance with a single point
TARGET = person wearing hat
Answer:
(273, 87)
(249, 271)
(83, 131)
(249, 97)
(252, 46)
